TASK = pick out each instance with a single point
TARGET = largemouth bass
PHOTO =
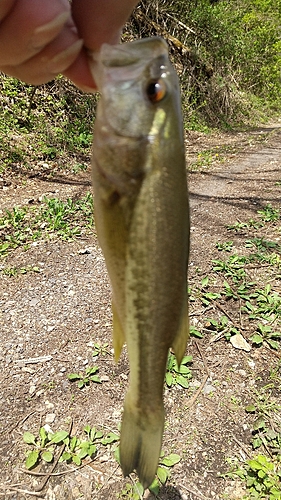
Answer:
(142, 221)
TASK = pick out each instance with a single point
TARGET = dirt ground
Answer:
(60, 312)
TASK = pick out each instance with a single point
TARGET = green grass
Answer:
(52, 218)
(47, 123)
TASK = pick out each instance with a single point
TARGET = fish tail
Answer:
(140, 442)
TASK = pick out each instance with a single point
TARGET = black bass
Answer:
(142, 221)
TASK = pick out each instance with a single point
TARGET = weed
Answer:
(178, 375)
(269, 214)
(53, 218)
(265, 333)
(84, 380)
(135, 491)
(101, 349)
(44, 446)
(226, 246)
(14, 271)
(194, 332)
(205, 159)
(221, 326)
(262, 476)
(232, 267)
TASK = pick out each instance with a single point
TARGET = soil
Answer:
(58, 315)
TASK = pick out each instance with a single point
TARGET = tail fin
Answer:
(140, 444)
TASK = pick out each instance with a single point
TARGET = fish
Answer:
(142, 221)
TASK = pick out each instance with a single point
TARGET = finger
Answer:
(99, 21)
(28, 27)
(79, 73)
(51, 61)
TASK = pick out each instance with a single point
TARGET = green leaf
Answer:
(195, 333)
(162, 474)
(257, 339)
(59, 436)
(32, 459)
(96, 379)
(117, 454)
(92, 450)
(259, 424)
(82, 453)
(183, 370)
(73, 376)
(272, 343)
(44, 436)
(110, 438)
(138, 489)
(65, 456)
(76, 460)
(184, 382)
(73, 443)
(205, 281)
(99, 434)
(186, 359)
(47, 456)
(81, 383)
(250, 409)
(169, 379)
(171, 460)
(29, 438)
(154, 487)
(92, 370)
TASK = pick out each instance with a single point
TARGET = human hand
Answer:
(40, 39)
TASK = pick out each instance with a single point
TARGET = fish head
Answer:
(139, 88)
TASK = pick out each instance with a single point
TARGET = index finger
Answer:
(99, 21)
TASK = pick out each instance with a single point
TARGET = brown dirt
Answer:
(61, 311)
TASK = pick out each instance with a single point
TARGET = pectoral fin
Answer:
(118, 333)
(180, 341)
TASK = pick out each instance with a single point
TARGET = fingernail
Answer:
(64, 59)
(44, 34)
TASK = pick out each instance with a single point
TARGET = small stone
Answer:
(50, 417)
(32, 389)
(49, 405)
(208, 388)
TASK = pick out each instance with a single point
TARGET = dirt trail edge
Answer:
(52, 321)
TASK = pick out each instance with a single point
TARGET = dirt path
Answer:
(62, 311)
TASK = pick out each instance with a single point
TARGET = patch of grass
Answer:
(45, 123)
(262, 476)
(178, 375)
(238, 280)
(53, 218)
(45, 446)
(205, 159)
(15, 271)
(134, 490)
(84, 380)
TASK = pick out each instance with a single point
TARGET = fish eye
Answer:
(156, 91)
